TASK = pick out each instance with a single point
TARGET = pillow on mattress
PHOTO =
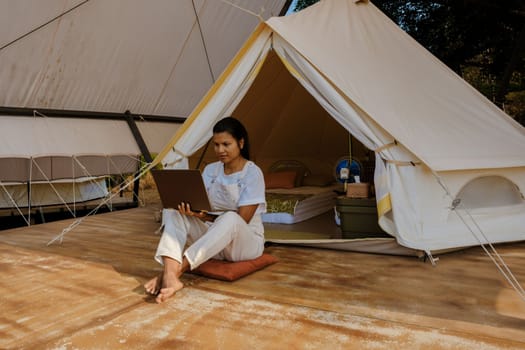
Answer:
(280, 179)
(318, 180)
(231, 271)
(300, 169)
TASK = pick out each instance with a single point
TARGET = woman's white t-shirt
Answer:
(245, 187)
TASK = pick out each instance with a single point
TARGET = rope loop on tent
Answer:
(385, 146)
(180, 152)
(177, 160)
(402, 162)
(491, 250)
(393, 161)
(167, 164)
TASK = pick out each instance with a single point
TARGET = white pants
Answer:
(228, 238)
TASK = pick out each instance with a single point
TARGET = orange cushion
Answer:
(280, 179)
(231, 271)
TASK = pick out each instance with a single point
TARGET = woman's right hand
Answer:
(185, 209)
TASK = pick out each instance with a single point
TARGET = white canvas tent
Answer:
(444, 153)
(79, 59)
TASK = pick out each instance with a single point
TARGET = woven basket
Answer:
(357, 190)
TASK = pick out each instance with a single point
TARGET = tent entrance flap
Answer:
(284, 121)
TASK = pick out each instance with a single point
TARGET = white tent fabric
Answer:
(149, 57)
(111, 56)
(46, 136)
(34, 151)
(153, 58)
(435, 137)
(156, 134)
(373, 58)
(42, 144)
(218, 101)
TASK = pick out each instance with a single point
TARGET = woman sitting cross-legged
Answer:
(235, 186)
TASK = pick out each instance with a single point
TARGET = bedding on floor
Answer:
(289, 206)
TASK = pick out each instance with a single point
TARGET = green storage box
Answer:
(358, 217)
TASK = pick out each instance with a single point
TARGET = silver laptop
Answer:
(176, 186)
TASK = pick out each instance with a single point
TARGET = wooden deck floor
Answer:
(86, 294)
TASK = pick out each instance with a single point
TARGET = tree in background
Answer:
(481, 40)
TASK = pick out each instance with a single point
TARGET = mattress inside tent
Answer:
(290, 206)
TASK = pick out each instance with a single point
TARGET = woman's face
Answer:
(226, 147)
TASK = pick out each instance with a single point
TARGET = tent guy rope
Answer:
(16, 206)
(491, 252)
(116, 166)
(77, 222)
(52, 186)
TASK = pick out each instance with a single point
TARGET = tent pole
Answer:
(350, 147)
(202, 155)
(143, 149)
(350, 161)
(28, 185)
(138, 137)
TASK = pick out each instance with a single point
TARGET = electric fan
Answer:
(346, 169)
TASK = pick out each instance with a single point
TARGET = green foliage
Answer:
(302, 4)
(515, 105)
(143, 161)
(482, 81)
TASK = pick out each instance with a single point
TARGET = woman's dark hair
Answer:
(235, 128)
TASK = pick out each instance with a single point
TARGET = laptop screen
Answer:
(178, 186)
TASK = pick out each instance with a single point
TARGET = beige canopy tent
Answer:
(71, 69)
(33, 150)
(450, 167)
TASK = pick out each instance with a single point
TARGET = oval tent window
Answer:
(489, 191)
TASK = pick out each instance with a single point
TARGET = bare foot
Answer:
(170, 285)
(153, 285)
